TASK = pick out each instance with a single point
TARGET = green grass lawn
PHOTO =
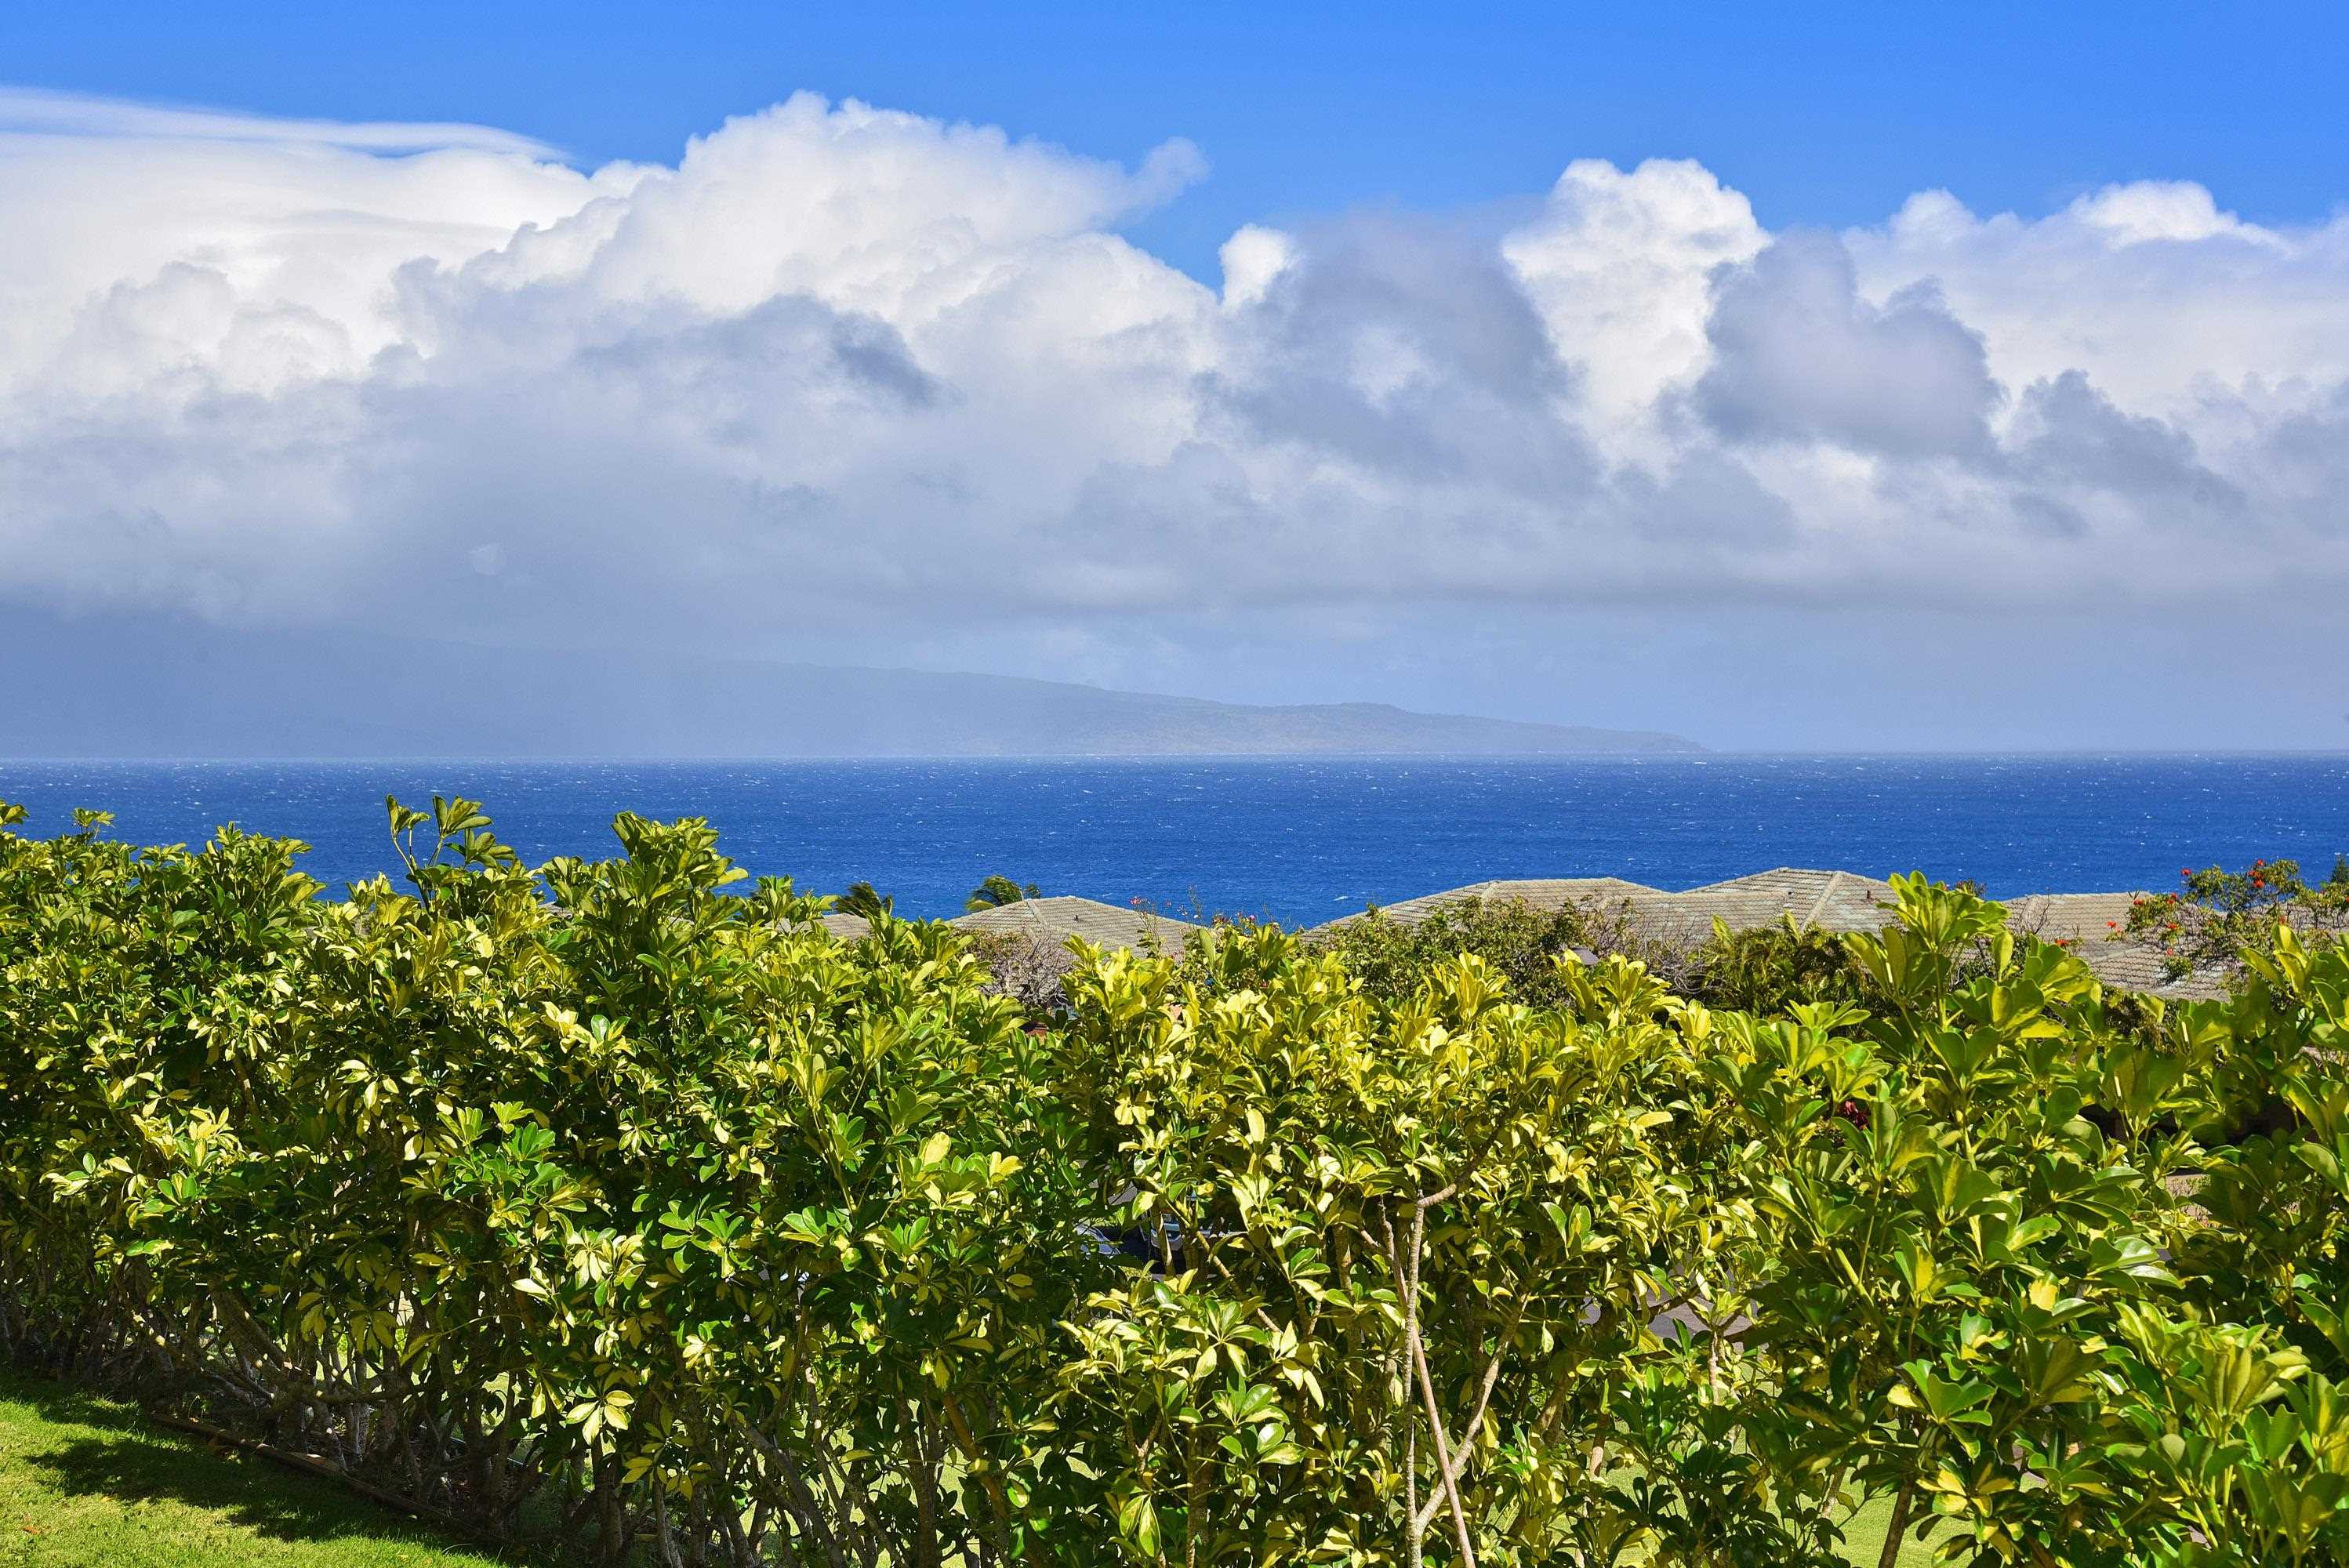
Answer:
(85, 1482)
(1864, 1537)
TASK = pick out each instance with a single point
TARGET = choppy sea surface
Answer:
(1297, 840)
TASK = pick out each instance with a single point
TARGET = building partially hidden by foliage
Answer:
(597, 1209)
(996, 890)
(1674, 932)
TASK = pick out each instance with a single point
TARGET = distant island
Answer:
(73, 689)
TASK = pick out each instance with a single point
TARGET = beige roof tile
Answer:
(1051, 920)
(2091, 924)
(1059, 918)
(1830, 900)
(1543, 893)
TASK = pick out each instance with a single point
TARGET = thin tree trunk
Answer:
(926, 1490)
(1898, 1527)
(1445, 1472)
(1414, 1351)
(1414, 1532)
(998, 1498)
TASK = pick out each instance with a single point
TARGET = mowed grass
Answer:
(1863, 1537)
(85, 1480)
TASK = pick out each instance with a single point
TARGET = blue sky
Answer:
(1787, 376)
(1823, 114)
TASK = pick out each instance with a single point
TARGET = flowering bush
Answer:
(2217, 915)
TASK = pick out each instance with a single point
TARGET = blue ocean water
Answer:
(1299, 840)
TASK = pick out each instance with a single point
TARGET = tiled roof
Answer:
(1840, 899)
(1830, 900)
(1833, 901)
(1058, 918)
(1050, 921)
(2089, 921)
(1549, 894)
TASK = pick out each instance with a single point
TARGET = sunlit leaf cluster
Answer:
(619, 1207)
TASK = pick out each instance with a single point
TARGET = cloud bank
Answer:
(843, 375)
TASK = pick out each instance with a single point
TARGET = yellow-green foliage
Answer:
(599, 1203)
(1392, 957)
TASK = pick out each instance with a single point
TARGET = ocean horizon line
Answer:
(1697, 757)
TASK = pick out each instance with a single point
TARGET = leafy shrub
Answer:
(1769, 968)
(2217, 915)
(1764, 969)
(597, 1206)
(1520, 943)
(865, 903)
(997, 891)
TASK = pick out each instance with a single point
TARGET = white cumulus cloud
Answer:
(844, 371)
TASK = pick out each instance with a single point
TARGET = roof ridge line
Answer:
(1820, 903)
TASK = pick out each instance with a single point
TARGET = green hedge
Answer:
(594, 1206)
